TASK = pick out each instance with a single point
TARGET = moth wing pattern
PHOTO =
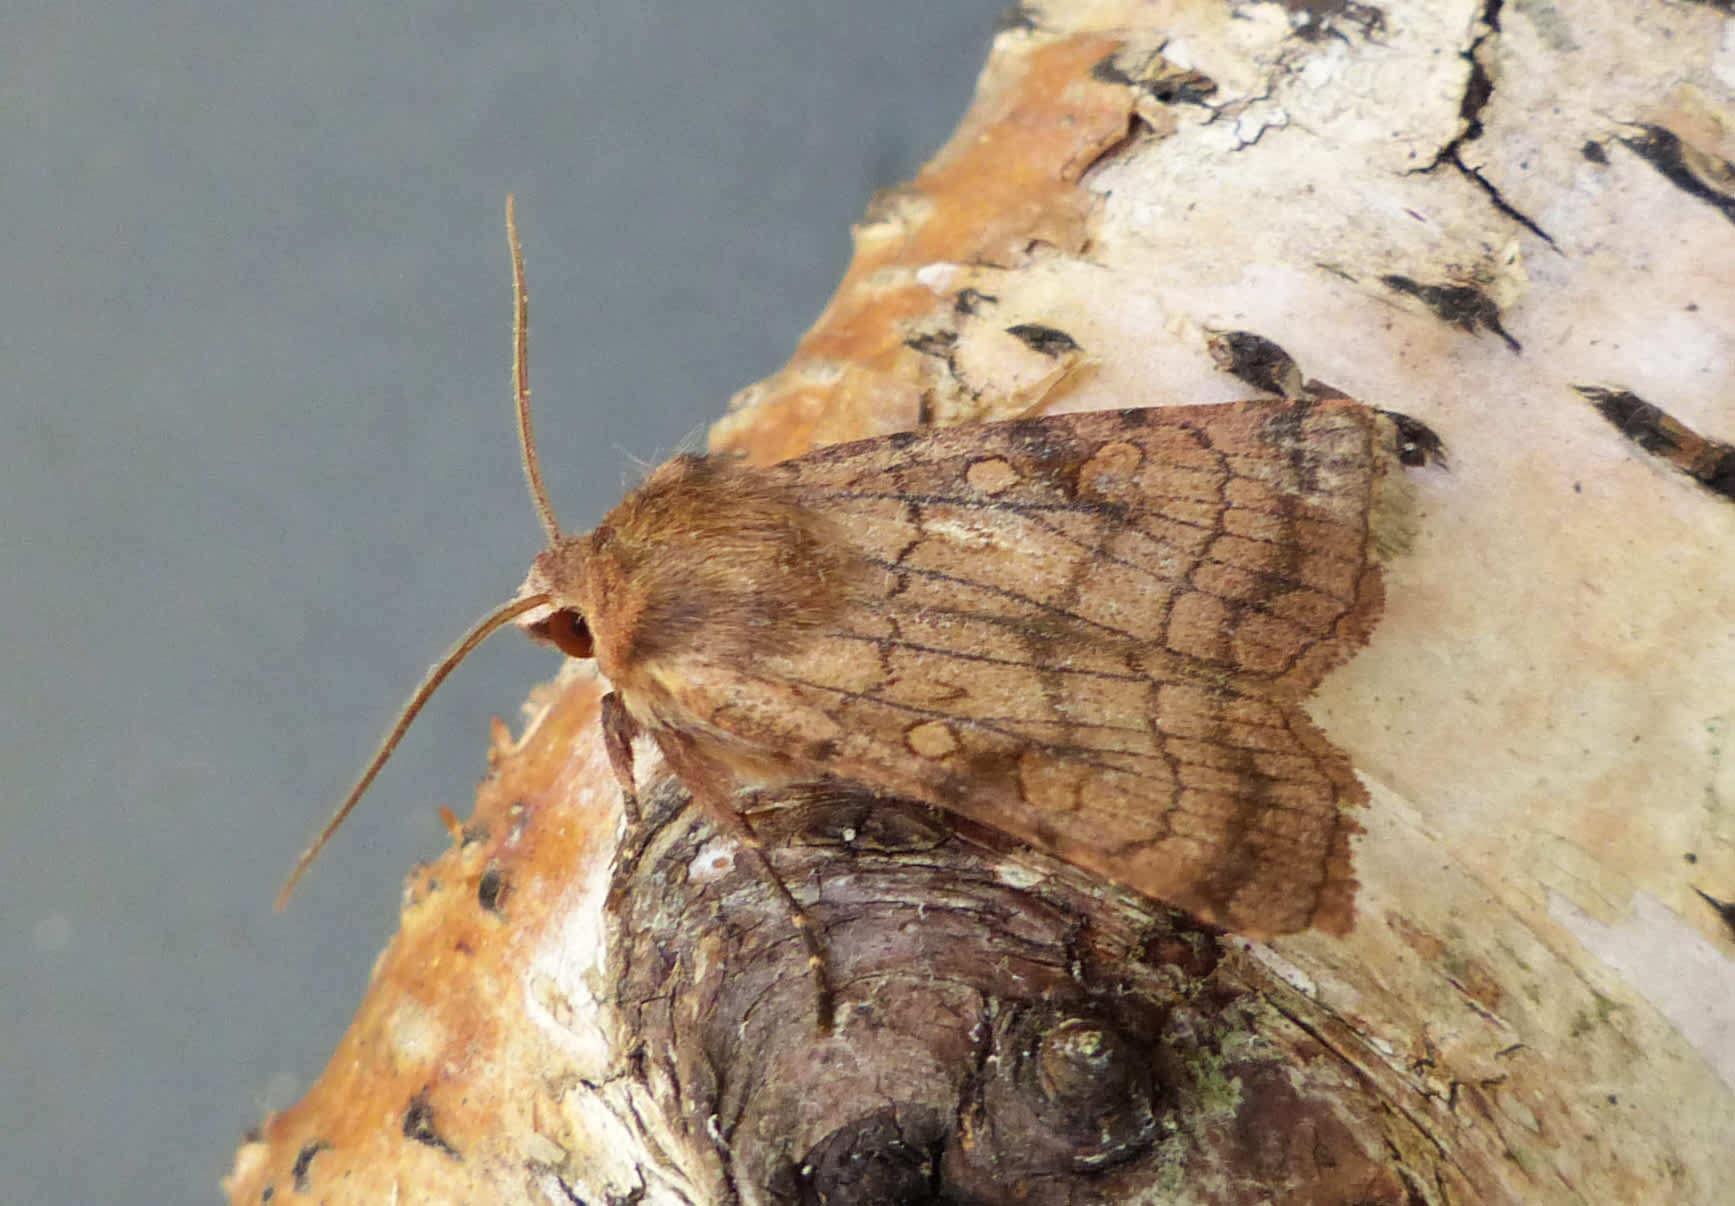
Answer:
(1093, 632)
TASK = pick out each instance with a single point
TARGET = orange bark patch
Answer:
(1008, 181)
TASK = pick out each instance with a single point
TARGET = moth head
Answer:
(557, 578)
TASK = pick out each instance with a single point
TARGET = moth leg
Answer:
(741, 829)
(703, 780)
(618, 730)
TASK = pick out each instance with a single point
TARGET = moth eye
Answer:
(567, 632)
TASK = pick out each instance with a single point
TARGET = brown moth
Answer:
(1093, 632)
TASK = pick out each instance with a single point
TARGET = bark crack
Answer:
(1500, 203)
(1478, 93)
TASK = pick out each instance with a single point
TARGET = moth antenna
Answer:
(436, 675)
(521, 379)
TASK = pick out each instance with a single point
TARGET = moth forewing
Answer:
(1090, 631)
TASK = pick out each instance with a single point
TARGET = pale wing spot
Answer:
(965, 529)
(991, 475)
(1110, 473)
(965, 545)
(932, 739)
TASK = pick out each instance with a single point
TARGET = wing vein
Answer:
(960, 655)
(956, 580)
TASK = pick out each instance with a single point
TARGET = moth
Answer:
(1092, 632)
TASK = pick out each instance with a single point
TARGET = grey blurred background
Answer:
(257, 465)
